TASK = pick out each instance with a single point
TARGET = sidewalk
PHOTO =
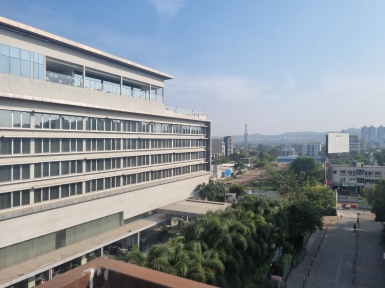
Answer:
(334, 262)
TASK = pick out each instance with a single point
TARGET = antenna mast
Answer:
(246, 137)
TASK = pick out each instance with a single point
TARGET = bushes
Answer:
(284, 263)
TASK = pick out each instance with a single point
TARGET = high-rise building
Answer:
(356, 144)
(218, 147)
(381, 133)
(311, 149)
(88, 148)
(368, 133)
(229, 148)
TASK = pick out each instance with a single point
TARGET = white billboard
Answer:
(338, 143)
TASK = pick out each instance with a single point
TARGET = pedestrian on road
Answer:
(354, 226)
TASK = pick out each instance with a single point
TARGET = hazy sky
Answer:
(279, 66)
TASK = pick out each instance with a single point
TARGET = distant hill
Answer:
(293, 137)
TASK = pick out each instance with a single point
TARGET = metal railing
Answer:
(185, 111)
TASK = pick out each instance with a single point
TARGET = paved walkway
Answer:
(334, 263)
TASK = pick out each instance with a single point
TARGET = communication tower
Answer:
(246, 137)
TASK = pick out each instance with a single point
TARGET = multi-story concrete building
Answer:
(288, 151)
(356, 144)
(312, 149)
(369, 133)
(348, 177)
(381, 133)
(229, 147)
(87, 149)
(218, 147)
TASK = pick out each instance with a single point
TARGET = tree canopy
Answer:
(380, 157)
(375, 196)
(307, 167)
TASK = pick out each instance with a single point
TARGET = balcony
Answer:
(75, 80)
(185, 111)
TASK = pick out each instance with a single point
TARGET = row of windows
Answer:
(10, 146)
(61, 168)
(18, 119)
(359, 172)
(16, 61)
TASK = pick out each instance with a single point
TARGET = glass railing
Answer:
(75, 80)
(185, 111)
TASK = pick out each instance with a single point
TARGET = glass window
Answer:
(73, 122)
(4, 63)
(100, 124)
(5, 118)
(79, 145)
(73, 145)
(26, 146)
(25, 197)
(16, 198)
(88, 187)
(100, 164)
(108, 144)
(16, 119)
(65, 145)
(65, 191)
(65, 122)
(65, 167)
(37, 196)
(55, 121)
(5, 200)
(72, 189)
(79, 121)
(100, 184)
(46, 121)
(79, 168)
(46, 169)
(16, 146)
(14, 66)
(16, 172)
(38, 120)
(26, 119)
(5, 146)
(38, 66)
(54, 169)
(45, 145)
(45, 194)
(55, 145)
(25, 69)
(107, 183)
(79, 188)
(37, 170)
(25, 171)
(14, 52)
(109, 125)
(100, 144)
(54, 193)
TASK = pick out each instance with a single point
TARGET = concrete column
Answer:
(121, 85)
(84, 76)
(162, 94)
(138, 238)
(50, 271)
(31, 171)
(101, 252)
(45, 68)
(33, 141)
(32, 61)
(149, 93)
(31, 196)
(31, 282)
(83, 260)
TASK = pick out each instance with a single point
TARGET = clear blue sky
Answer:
(279, 66)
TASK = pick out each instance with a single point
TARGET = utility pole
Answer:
(246, 138)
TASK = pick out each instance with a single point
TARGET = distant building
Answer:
(288, 151)
(218, 147)
(356, 144)
(381, 134)
(368, 133)
(312, 149)
(229, 148)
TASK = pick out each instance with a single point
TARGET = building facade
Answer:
(369, 133)
(229, 146)
(312, 149)
(355, 177)
(87, 146)
(288, 151)
(356, 144)
(381, 133)
(218, 147)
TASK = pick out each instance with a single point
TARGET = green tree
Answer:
(239, 166)
(380, 157)
(222, 159)
(303, 218)
(212, 190)
(307, 167)
(236, 188)
(323, 198)
(234, 157)
(375, 196)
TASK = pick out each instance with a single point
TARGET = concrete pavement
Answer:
(333, 265)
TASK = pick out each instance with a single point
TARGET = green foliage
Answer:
(307, 168)
(380, 157)
(222, 159)
(375, 196)
(239, 166)
(212, 190)
(323, 198)
(284, 262)
(261, 163)
(236, 188)
(135, 256)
